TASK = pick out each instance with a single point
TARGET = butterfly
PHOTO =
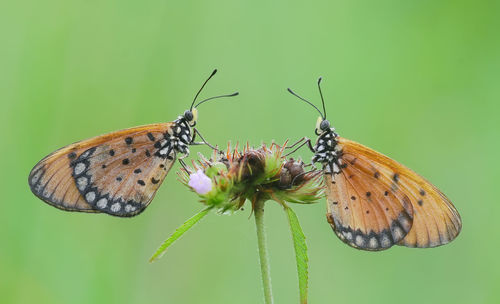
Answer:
(374, 202)
(116, 173)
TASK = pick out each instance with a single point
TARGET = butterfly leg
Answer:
(186, 154)
(204, 142)
(307, 141)
(184, 166)
(296, 143)
(302, 174)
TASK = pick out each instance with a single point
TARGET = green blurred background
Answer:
(416, 80)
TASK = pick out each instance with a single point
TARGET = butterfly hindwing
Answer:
(117, 173)
(52, 182)
(392, 198)
(436, 222)
(363, 210)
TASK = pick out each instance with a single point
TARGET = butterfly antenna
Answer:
(220, 96)
(194, 100)
(321, 94)
(293, 93)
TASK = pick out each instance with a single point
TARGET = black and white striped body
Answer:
(177, 139)
(327, 152)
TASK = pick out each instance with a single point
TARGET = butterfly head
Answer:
(191, 116)
(322, 126)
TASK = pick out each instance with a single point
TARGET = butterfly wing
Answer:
(365, 213)
(116, 173)
(397, 206)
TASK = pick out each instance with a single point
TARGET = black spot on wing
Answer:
(151, 137)
(395, 177)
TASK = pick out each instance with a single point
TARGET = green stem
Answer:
(264, 261)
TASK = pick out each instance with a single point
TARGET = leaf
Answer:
(178, 233)
(299, 243)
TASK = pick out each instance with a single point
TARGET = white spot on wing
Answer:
(84, 155)
(79, 168)
(116, 207)
(397, 233)
(360, 241)
(102, 203)
(90, 196)
(385, 242)
(373, 243)
(82, 183)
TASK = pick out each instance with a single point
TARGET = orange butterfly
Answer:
(374, 202)
(116, 173)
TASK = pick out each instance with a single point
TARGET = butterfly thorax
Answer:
(327, 152)
(177, 139)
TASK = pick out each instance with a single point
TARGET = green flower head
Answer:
(227, 180)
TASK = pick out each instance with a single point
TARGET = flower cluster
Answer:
(227, 180)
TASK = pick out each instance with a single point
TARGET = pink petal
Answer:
(201, 183)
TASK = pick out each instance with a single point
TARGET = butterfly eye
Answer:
(188, 115)
(324, 125)
(193, 117)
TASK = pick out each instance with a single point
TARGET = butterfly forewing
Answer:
(376, 202)
(117, 173)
